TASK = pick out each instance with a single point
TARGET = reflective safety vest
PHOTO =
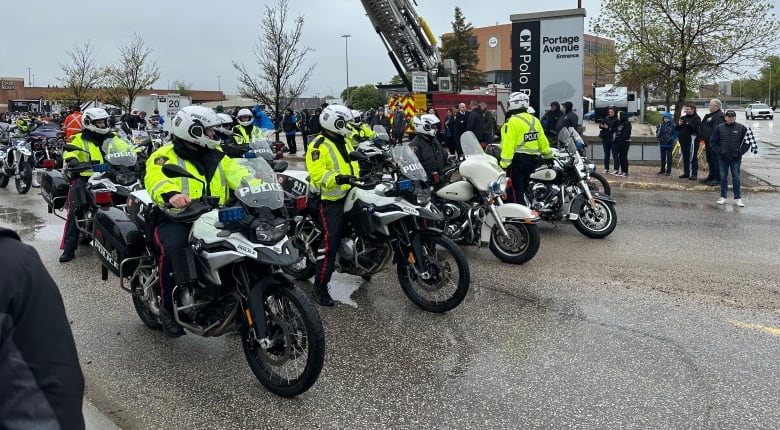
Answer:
(362, 132)
(228, 176)
(245, 138)
(523, 134)
(324, 162)
(94, 154)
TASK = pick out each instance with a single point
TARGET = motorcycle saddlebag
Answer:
(117, 238)
(54, 188)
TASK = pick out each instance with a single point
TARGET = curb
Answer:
(94, 419)
(673, 187)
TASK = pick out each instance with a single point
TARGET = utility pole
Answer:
(346, 53)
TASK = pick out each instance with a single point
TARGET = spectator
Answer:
(688, 126)
(161, 118)
(40, 378)
(568, 118)
(489, 128)
(399, 125)
(666, 133)
(622, 141)
(288, 126)
(726, 141)
(550, 120)
(314, 125)
(476, 121)
(261, 120)
(73, 123)
(303, 126)
(607, 133)
(381, 119)
(711, 120)
(461, 118)
(449, 130)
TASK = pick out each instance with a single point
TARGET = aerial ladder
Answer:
(409, 41)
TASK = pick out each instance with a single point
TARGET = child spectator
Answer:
(666, 133)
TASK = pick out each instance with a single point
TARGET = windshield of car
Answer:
(118, 152)
(408, 162)
(760, 106)
(259, 188)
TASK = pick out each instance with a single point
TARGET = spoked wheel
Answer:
(24, 180)
(147, 308)
(448, 276)
(596, 222)
(289, 359)
(521, 245)
(597, 182)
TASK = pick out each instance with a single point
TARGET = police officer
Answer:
(425, 145)
(523, 142)
(245, 131)
(90, 140)
(331, 173)
(196, 135)
(362, 131)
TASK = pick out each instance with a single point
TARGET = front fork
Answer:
(499, 222)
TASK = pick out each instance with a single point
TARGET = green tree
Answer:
(462, 47)
(689, 40)
(396, 80)
(183, 88)
(364, 97)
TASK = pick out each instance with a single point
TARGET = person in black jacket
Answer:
(381, 119)
(429, 151)
(726, 141)
(689, 126)
(41, 384)
(461, 118)
(314, 125)
(476, 121)
(550, 120)
(568, 119)
(622, 141)
(399, 125)
(713, 119)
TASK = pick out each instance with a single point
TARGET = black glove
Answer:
(550, 162)
(345, 179)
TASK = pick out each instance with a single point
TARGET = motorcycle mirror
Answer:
(174, 171)
(280, 166)
(357, 156)
(71, 147)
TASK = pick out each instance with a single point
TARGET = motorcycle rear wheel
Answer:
(4, 179)
(24, 180)
(294, 361)
(522, 245)
(599, 183)
(145, 309)
(440, 293)
(598, 222)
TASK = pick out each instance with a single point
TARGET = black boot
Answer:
(169, 325)
(321, 295)
(67, 255)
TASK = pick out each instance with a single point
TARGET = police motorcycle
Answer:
(261, 148)
(476, 214)
(225, 280)
(110, 184)
(381, 226)
(551, 189)
(15, 162)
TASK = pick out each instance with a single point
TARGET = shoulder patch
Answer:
(160, 160)
(315, 155)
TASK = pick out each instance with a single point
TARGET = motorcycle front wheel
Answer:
(597, 182)
(449, 276)
(596, 222)
(521, 245)
(4, 178)
(300, 271)
(24, 180)
(292, 362)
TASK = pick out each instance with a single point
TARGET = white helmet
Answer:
(95, 114)
(426, 124)
(244, 113)
(225, 119)
(190, 125)
(336, 119)
(356, 117)
(518, 101)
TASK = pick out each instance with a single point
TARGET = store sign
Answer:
(7, 85)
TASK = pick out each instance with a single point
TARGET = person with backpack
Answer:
(666, 133)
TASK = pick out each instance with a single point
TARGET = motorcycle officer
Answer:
(229, 144)
(90, 139)
(245, 131)
(196, 136)
(523, 142)
(331, 173)
(426, 146)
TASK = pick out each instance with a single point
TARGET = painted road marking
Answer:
(771, 330)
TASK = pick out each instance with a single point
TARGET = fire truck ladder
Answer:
(407, 38)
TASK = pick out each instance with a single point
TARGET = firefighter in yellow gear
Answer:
(523, 143)
(331, 177)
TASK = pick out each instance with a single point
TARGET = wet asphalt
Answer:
(673, 321)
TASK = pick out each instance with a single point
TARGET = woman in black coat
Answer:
(622, 141)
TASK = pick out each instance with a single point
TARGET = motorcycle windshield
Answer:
(381, 133)
(118, 152)
(262, 146)
(141, 137)
(470, 144)
(260, 187)
(409, 163)
(569, 139)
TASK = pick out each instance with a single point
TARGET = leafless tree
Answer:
(183, 88)
(134, 71)
(283, 76)
(82, 74)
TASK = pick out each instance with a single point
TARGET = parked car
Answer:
(758, 110)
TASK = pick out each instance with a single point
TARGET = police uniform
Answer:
(213, 167)
(243, 137)
(523, 142)
(325, 161)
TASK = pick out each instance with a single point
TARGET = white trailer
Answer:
(167, 105)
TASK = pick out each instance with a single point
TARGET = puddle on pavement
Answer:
(25, 222)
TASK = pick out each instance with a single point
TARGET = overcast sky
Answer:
(197, 41)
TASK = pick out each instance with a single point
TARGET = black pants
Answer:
(520, 172)
(712, 161)
(291, 143)
(690, 160)
(76, 199)
(456, 142)
(606, 143)
(623, 152)
(330, 216)
(169, 237)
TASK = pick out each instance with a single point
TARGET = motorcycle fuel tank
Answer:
(544, 174)
(459, 191)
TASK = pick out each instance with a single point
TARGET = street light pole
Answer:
(219, 87)
(346, 54)
(28, 77)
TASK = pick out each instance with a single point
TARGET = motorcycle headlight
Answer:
(591, 167)
(269, 233)
(424, 197)
(499, 186)
(122, 178)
